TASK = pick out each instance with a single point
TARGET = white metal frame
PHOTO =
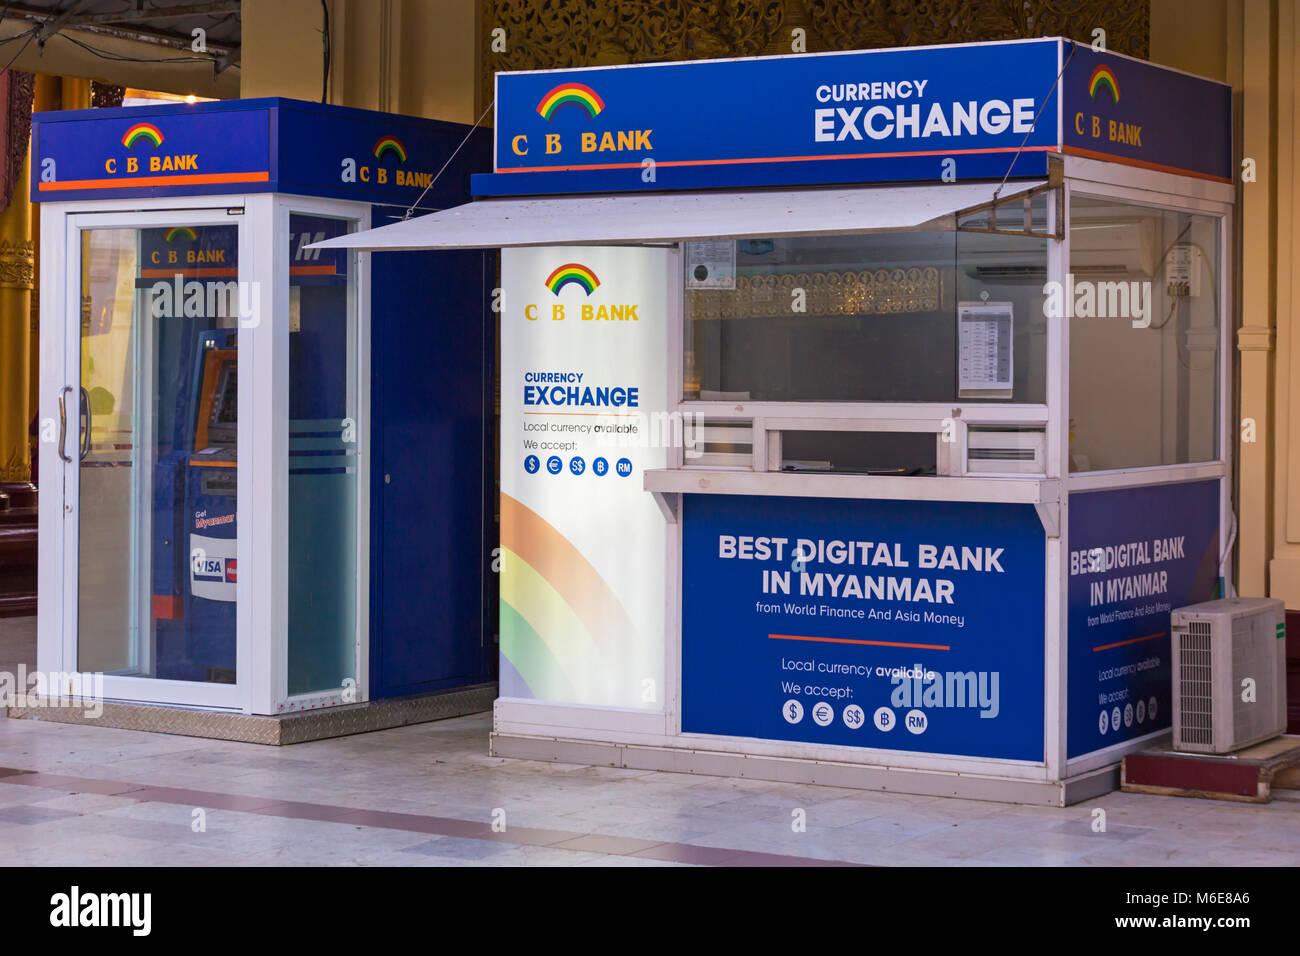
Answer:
(1090, 177)
(60, 367)
(262, 482)
(1097, 179)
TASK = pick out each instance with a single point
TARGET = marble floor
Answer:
(428, 795)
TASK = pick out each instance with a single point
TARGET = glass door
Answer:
(152, 423)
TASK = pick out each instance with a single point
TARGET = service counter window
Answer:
(1142, 302)
(943, 317)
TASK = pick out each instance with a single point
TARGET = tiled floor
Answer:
(428, 795)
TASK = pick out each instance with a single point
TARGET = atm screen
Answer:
(224, 418)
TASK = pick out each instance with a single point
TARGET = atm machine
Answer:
(274, 458)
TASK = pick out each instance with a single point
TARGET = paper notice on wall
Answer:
(711, 265)
(985, 361)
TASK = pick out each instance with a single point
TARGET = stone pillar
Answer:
(16, 278)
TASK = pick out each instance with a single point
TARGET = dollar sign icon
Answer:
(792, 711)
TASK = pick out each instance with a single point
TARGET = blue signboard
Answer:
(864, 116)
(349, 154)
(925, 114)
(896, 625)
(1135, 555)
(254, 146)
(125, 152)
(1129, 111)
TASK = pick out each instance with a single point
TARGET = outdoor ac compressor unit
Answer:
(1229, 674)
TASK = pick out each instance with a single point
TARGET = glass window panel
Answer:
(323, 435)
(1143, 306)
(862, 453)
(860, 318)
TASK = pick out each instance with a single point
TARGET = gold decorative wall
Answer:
(551, 34)
(839, 292)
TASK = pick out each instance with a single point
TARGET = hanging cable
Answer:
(29, 34)
(325, 52)
(420, 199)
(1073, 46)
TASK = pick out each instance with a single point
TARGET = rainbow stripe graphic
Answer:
(1103, 76)
(570, 93)
(562, 629)
(572, 272)
(181, 232)
(140, 131)
(390, 144)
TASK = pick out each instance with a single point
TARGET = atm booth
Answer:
(864, 414)
(267, 489)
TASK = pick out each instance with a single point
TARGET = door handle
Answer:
(63, 423)
(85, 437)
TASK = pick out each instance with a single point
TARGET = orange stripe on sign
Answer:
(185, 272)
(1143, 164)
(590, 414)
(775, 159)
(847, 640)
(205, 179)
(1133, 640)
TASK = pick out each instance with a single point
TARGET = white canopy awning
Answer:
(669, 217)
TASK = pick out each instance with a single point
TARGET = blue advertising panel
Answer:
(878, 115)
(1124, 110)
(918, 114)
(254, 146)
(897, 625)
(1135, 555)
(377, 157)
(139, 151)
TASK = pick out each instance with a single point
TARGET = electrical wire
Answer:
(1229, 589)
(29, 34)
(133, 59)
(326, 54)
(1073, 46)
(420, 198)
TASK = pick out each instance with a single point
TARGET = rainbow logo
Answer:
(572, 272)
(145, 131)
(390, 144)
(570, 94)
(1103, 76)
(565, 635)
(181, 232)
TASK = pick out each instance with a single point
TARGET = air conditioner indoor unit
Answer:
(1113, 247)
(1229, 661)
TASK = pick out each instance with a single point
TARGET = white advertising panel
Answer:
(584, 345)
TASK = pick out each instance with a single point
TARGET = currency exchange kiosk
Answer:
(864, 414)
(266, 486)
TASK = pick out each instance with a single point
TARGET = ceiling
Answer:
(124, 32)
